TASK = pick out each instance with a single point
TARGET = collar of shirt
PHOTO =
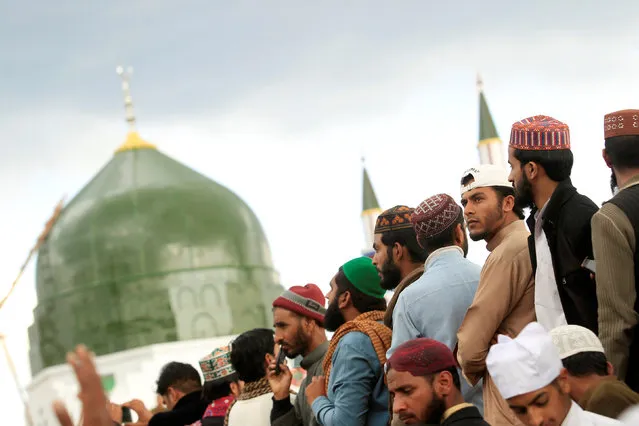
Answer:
(518, 225)
(315, 355)
(431, 257)
(455, 408)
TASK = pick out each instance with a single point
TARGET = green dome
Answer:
(149, 251)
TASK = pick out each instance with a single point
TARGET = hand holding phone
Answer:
(281, 358)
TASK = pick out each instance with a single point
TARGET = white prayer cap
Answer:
(524, 364)
(574, 339)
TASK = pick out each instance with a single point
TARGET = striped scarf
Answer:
(250, 391)
(367, 323)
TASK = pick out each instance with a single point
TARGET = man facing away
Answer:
(251, 353)
(423, 379)
(615, 231)
(298, 318)
(180, 387)
(504, 302)
(592, 382)
(435, 304)
(353, 391)
(398, 257)
(528, 372)
(541, 161)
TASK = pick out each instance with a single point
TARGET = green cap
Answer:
(363, 275)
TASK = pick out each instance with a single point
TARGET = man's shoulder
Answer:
(433, 281)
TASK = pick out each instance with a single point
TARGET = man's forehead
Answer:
(526, 399)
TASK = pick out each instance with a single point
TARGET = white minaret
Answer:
(490, 146)
(370, 211)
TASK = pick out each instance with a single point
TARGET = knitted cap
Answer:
(363, 275)
(217, 364)
(434, 215)
(574, 339)
(307, 301)
(621, 123)
(421, 357)
(540, 133)
(395, 218)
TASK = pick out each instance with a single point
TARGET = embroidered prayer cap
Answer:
(540, 133)
(486, 175)
(621, 123)
(574, 339)
(363, 275)
(395, 218)
(305, 300)
(434, 215)
(217, 364)
(421, 357)
(524, 364)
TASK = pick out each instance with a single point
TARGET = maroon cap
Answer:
(307, 301)
(421, 357)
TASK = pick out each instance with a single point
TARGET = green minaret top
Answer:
(487, 130)
(369, 198)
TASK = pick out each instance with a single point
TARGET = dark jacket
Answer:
(566, 223)
(189, 409)
(468, 416)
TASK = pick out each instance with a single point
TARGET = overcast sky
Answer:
(279, 103)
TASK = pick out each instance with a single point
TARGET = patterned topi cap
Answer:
(621, 123)
(217, 364)
(540, 133)
(434, 215)
(393, 219)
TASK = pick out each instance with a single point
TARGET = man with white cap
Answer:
(504, 301)
(528, 372)
(589, 374)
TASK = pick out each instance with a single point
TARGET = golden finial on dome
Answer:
(133, 139)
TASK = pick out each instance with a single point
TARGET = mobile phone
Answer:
(126, 415)
(281, 357)
(590, 265)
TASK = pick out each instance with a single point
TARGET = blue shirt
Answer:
(435, 305)
(357, 394)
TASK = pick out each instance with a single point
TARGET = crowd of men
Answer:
(542, 334)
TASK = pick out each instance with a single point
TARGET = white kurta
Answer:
(550, 313)
(578, 417)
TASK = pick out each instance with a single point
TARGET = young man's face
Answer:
(414, 399)
(547, 406)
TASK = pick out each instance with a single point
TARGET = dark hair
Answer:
(623, 151)
(218, 388)
(362, 302)
(556, 163)
(443, 239)
(453, 372)
(406, 238)
(586, 364)
(183, 377)
(248, 353)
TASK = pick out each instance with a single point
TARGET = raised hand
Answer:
(280, 383)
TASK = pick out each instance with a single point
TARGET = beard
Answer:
(524, 193)
(491, 219)
(299, 345)
(391, 275)
(333, 318)
(614, 187)
(435, 410)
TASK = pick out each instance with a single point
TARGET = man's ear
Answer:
(606, 158)
(344, 300)
(398, 252)
(563, 382)
(610, 368)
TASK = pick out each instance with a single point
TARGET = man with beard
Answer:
(398, 257)
(423, 380)
(434, 305)
(614, 239)
(298, 317)
(504, 302)
(541, 161)
(528, 373)
(353, 389)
